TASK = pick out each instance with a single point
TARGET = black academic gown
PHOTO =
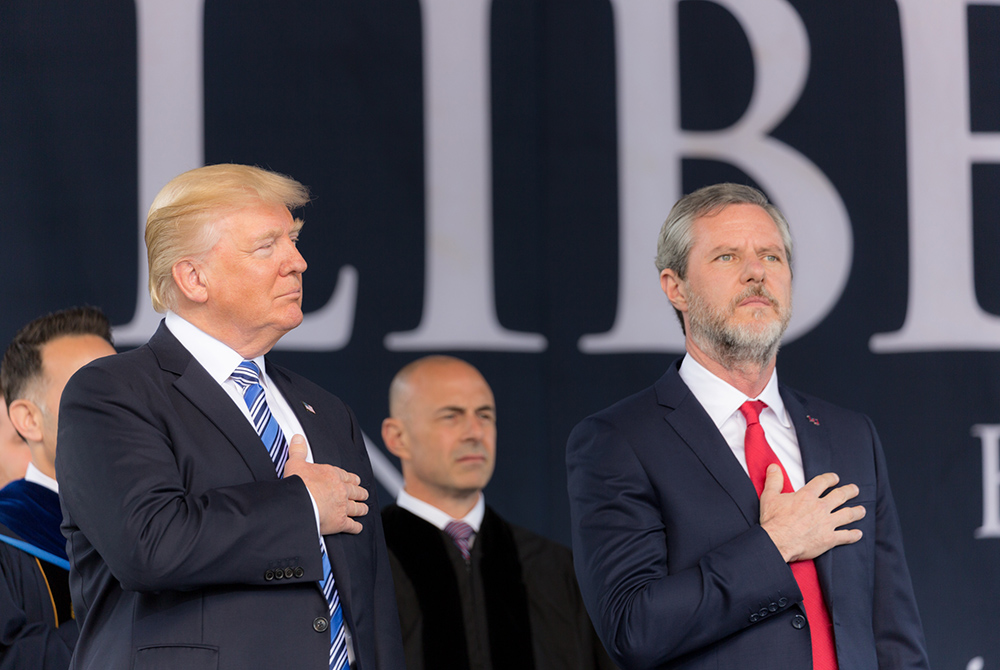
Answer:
(36, 626)
(514, 604)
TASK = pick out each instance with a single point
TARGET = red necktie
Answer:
(759, 455)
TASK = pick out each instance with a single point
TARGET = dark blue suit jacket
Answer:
(176, 524)
(675, 568)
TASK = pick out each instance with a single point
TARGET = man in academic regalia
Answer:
(473, 590)
(37, 629)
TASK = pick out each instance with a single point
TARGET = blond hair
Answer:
(182, 219)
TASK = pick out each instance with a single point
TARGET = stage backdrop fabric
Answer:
(489, 179)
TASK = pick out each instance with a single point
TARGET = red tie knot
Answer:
(751, 410)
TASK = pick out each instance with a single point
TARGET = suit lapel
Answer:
(817, 457)
(305, 410)
(813, 437)
(692, 423)
(206, 396)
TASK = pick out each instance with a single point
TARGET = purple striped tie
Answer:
(460, 533)
(247, 377)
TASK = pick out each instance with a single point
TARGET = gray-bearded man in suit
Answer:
(191, 545)
(684, 560)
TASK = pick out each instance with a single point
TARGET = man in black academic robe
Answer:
(37, 627)
(503, 597)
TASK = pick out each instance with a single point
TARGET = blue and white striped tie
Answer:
(247, 376)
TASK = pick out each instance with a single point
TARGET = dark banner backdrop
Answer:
(508, 242)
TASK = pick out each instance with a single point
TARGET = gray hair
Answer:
(676, 238)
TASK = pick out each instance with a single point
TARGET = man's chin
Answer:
(293, 319)
(759, 331)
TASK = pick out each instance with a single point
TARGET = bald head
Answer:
(442, 426)
(423, 373)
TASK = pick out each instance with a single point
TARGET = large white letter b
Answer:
(651, 146)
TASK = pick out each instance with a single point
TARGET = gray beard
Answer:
(736, 345)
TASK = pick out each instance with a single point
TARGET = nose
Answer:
(476, 430)
(295, 262)
(753, 271)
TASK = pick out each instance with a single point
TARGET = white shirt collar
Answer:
(213, 355)
(36, 476)
(436, 517)
(721, 400)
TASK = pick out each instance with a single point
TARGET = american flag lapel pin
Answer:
(309, 408)
(813, 421)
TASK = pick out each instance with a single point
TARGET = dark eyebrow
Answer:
(462, 410)
(451, 408)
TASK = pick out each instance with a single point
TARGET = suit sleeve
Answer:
(899, 638)
(148, 510)
(646, 613)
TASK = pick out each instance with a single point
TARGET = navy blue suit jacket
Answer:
(176, 524)
(675, 569)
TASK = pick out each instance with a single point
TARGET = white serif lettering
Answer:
(171, 137)
(652, 145)
(459, 308)
(171, 141)
(940, 149)
(989, 436)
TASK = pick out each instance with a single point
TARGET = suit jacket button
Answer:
(782, 602)
(773, 607)
(321, 624)
(754, 618)
(288, 573)
(279, 574)
(763, 612)
(269, 575)
(798, 622)
(299, 572)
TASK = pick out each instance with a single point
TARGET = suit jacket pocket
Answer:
(174, 656)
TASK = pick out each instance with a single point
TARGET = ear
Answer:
(394, 438)
(190, 280)
(675, 289)
(26, 417)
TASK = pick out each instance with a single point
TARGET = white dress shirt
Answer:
(36, 476)
(722, 403)
(220, 361)
(439, 519)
